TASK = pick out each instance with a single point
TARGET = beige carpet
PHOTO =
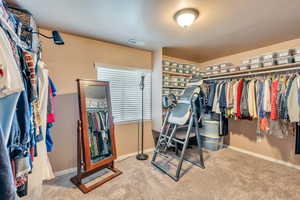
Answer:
(229, 175)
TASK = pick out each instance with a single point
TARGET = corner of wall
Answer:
(157, 89)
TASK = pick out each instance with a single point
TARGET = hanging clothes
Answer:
(99, 134)
(260, 99)
(215, 107)
(222, 98)
(238, 98)
(281, 98)
(211, 96)
(270, 100)
(252, 107)
(230, 98)
(8, 107)
(50, 114)
(235, 106)
(297, 149)
(42, 169)
(10, 77)
(11, 85)
(23, 116)
(267, 96)
(288, 90)
(43, 91)
(244, 101)
(7, 184)
(274, 94)
(224, 126)
(293, 99)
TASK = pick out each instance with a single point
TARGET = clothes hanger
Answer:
(274, 75)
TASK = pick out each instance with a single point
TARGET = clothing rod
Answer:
(253, 73)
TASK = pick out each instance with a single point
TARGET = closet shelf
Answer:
(250, 71)
(174, 87)
(178, 74)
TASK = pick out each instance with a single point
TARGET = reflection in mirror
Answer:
(98, 123)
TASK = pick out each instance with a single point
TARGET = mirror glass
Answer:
(98, 122)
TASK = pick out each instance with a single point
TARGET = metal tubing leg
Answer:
(164, 135)
(165, 138)
(168, 128)
(171, 136)
(165, 171)
(199, 146)
(184, 148)
(161, 135)
(176, 149)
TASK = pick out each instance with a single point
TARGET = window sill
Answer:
(132, 122)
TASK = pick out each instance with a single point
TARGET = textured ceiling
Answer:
(224, 27)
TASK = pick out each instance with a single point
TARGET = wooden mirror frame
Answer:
(85, 166)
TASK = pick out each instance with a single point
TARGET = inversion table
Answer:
(185, 112)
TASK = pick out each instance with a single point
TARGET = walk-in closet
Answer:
(149, 99)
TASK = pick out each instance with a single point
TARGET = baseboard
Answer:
(120, 158)
(264, 157)
(64, 172)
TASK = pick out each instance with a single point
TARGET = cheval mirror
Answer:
(96, 149)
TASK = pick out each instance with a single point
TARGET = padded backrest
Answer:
(182, 111)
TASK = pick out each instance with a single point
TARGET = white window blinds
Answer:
(126, 95)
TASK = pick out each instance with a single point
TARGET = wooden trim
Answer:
(89, 165)
(77, 180)
(82, 140)
(83, 146)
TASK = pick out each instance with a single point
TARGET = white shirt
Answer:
(267, 96)
(11, 81)
(292, 102)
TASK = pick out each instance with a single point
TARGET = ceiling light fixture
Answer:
(186, 17)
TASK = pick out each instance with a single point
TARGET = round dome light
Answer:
(186, 16)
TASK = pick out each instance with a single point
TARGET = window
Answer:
(126, 95)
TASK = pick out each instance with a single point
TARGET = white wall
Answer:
(157, 89)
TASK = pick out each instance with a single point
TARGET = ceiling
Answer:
(224, 27)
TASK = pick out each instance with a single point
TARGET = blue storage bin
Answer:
(212, 144)
(210, 138)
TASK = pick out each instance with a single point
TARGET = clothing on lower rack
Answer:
(269, 99)
(244, 101)
(238, 98)
(211, 96)
(99, 139)
(293, 99)
(297, 149)
(224, 126)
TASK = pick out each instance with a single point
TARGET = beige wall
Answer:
(157, 90)
(243, 133)
(75, 60)
(182, 61)
(236, 58)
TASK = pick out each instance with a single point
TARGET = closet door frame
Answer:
(88, 164)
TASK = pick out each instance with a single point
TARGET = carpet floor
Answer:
(229, 175)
